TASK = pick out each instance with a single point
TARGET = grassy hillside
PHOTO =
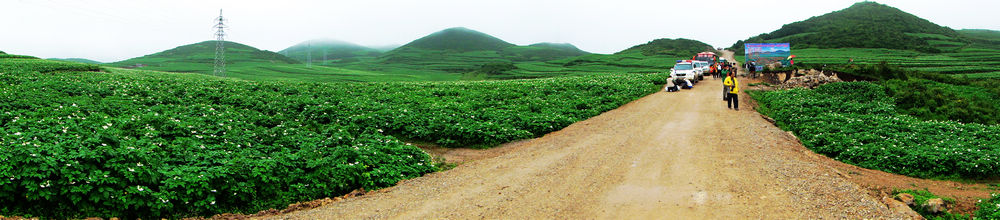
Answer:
(200, 58)
(461, 52)
(982, 38)
(453, 50)
(385, 48)
(981, 34)
(863, 25)
(968, 62)
(542, 52)
(320, 50)
(871, 33)
(451, 54)
(458, 39)
(670, 47)
(78, 60)
(532, 61)
(204, 52)
(245, 62)
(655, 56)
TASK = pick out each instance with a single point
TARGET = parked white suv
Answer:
(685, 70)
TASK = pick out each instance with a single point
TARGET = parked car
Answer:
(703, 68)
(685, 70)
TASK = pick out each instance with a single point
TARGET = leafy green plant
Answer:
(858, 123)
(131, 144)
(989, 209)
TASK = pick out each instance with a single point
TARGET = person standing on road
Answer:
(733, 99)
(725, 88)
(712, 70)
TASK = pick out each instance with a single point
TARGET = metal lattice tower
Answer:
(309, 58)
(220, 49)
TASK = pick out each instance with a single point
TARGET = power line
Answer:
(220, 49)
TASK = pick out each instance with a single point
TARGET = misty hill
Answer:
(78, 60)
(863, 25)
(462, 50)
(654, 56)
(671, 47)
(204, 53)
(982, 38)
(200, 58)
(328, 50)
(385, 48)
(458, 39)
(542, 52)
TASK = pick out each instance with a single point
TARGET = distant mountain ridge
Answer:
(328, 49)
(78, 60)
(559, 46)
(863, 25)
(204, 52)
(983, 38)
(462, 50)
(672, 47)
(458, 39)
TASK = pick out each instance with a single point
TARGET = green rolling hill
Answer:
(461, 52)
(863, 25)
(671, 47)
(200, 58)
(451, 54)
(982, 38)
(542, 52)
(249, 63)
(78, 60)
(457, 39)
(453, 50)
(323, 50)
(871, 33)
(654, 56)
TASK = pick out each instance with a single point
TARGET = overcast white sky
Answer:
(114, 30)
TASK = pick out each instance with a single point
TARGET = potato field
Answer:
(76, 142)
(857, 123)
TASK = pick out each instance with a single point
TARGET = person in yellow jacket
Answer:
(733, 87)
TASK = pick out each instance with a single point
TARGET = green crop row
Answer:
(857, 123)
(963, 61)
(30, 64)
(146, 144)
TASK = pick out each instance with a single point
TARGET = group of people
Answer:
(730, 85)
(719, 70)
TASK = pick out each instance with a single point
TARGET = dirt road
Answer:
(676, 155)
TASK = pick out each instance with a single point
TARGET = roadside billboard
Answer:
(767, 53)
